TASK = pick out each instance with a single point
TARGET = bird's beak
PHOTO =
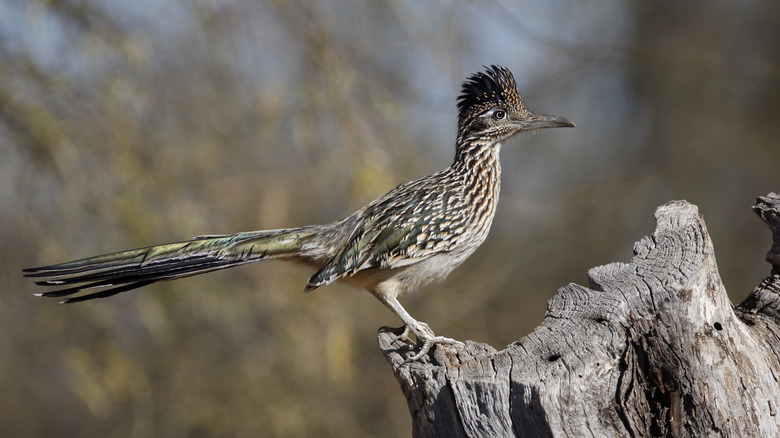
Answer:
(542, 121)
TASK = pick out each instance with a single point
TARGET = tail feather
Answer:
(102, 294)
(108, 276)
(127, 270)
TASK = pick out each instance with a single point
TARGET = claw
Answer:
(403, 336)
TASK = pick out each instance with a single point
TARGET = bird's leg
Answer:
(425, 336)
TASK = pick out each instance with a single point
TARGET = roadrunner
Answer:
(414, 235)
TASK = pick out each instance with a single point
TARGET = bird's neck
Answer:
(477, 157)
(480, 171)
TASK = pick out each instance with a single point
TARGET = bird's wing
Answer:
(411, 223)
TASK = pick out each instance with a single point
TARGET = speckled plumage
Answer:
(415, 234)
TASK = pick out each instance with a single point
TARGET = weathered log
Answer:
(651, 348)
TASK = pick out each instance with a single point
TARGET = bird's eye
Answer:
(499, 114)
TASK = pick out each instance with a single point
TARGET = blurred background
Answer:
(126, 124)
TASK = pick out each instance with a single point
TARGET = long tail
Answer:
(127, 270)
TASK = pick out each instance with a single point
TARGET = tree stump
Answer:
(650, 348)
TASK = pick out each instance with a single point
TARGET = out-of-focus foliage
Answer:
(124, 124)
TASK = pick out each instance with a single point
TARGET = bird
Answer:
(414, 235)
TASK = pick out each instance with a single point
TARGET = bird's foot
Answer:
(427, 343)
(401, 333)
(425, 338)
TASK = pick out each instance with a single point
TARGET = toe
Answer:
(402, 333)
(424, 349)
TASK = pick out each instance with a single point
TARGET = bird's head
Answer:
(490, 108)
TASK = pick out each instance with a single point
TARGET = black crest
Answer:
(494, 86)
